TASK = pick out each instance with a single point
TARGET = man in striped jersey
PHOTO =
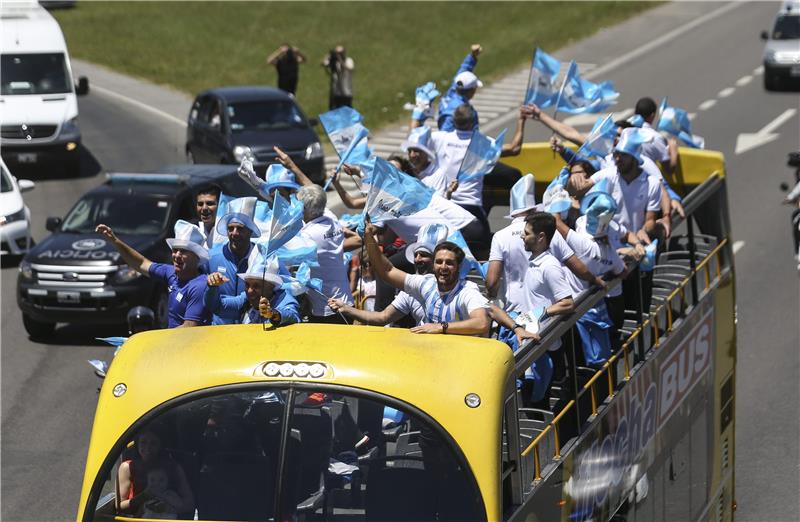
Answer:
(451, 306)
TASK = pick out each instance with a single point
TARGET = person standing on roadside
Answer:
(340, 67)
(287, 60)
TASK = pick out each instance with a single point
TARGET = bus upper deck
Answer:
(269, 425)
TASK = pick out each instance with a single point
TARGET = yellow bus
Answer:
(346, 423)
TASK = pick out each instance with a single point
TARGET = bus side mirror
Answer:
(764, 35)
(82, 88)
(52, 224)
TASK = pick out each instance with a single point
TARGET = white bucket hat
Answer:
(263, 271)
(242, 211)
(188, 237)
(420, 139)
(427, 238)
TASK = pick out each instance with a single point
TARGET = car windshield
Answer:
(787, 28)
(264, 116)
(44, 73)
(290, 453)
(125, 213)
(5, 180)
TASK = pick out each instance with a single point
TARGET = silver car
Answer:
(782, 52)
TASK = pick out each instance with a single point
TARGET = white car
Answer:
(782, 50)
(15, 221)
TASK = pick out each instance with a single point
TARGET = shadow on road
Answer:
(75, 335)
(90, 167)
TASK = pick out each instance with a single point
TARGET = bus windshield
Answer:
(289, 453)
(44, 73)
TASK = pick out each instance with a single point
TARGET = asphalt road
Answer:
(49, 392)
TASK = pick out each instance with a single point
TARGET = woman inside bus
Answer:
(133, 491)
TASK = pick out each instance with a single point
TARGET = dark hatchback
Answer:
(75, 276)
(228, 124)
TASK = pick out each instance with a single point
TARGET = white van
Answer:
(38, 106)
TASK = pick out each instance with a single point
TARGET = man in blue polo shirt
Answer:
(239, 226)
(185, 284)
(465, 83)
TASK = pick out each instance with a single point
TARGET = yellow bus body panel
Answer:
(431, 372)
(694, 165)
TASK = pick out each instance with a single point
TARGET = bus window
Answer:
(229, 456)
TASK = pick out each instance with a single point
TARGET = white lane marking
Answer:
(744, 80)
(724, 93)
(747, 141)
(661, 40)
(639, 51)
(758, 70)
(706, 105)
(137, 103)
(737, 245)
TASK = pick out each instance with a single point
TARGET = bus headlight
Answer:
(472, 400)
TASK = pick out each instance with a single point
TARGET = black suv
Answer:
(229, 124)
(75, 276)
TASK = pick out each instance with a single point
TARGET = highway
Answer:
(707, 61)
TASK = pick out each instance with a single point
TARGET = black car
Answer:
(75, 276)
(230, 123)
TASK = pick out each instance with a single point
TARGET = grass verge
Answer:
(396, 46)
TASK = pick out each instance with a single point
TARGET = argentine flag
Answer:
(579, 96)
(481, 157)
(600, 141)
(393, 194)
(301, 282)
(675, 121)
(298, 250)
(286, 222)
(343, 126)
(542, 88)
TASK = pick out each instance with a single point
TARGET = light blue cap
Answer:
(637, 120)
(523, 196)
(599, 207)
(242, 211)
(280, 176)
(631, 141)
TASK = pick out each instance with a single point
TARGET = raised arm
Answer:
(131, 257)
(390, 314)
(348, 200)
(273, 58)
(493, 275)
(383, 268)
(568, 132)
(514, 147)
(301, 58)
(289, 163)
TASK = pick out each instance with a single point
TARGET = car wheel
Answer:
(37, 329)
(161, 309)
(770, 81)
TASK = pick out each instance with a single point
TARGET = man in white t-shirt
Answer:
(323, 228)
(451, 306)
(508, 259)
(657, 148)
(638, 196)
(450, 148)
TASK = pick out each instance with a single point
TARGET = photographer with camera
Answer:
(340, 67)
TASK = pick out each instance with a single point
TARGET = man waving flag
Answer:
(542, 89)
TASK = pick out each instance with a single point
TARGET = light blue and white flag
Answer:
(469, 259)
(600, 141)
(357, 144)
(675, 121)
(343, 126)
(286, 222)
(301, 282)
(299, 249)
(578, 96)
(481, 157)
(555, 195)
(393, 194)
(542, 89)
